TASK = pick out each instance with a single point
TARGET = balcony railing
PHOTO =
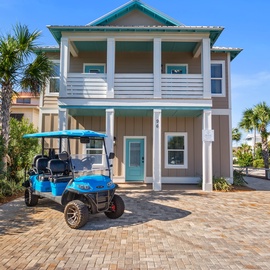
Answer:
(173, 86)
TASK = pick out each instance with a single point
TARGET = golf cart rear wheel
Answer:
(30, 199)
(76, 214)
(116, 209)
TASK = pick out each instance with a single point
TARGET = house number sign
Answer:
(157, 123)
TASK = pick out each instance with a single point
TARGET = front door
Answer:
(134, 159)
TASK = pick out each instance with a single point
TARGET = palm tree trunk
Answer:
(265, 155)
(7, 92)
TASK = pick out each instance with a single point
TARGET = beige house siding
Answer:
(135, 18)
(221, 146)
(76, 63)
(193, 127)
(50, 101)
(194, 64)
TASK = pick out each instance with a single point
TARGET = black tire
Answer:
(30, 199)
(117, 208)
(76, 214)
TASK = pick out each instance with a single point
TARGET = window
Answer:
(17, 116)
(176, 150)
(54, 83)
(95, 148)
(217, 78)
(176, 68)
(94, 68)
(23, 100)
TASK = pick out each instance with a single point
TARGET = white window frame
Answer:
(223, 84)
(94, 64)
(176, 134)
(97, 165)
(177, 65)
(48, 93)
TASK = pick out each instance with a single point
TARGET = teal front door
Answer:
(134, 159)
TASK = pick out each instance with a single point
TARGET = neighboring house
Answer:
(249, 140)
(158, 88)
(26, 105)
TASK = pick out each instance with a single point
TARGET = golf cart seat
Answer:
(42, 164)
(58, 171)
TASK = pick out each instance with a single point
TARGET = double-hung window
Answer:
(218, 78)
(95, 149)
(54, 82)
(176, 150)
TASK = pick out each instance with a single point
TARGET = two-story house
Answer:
(158, 88)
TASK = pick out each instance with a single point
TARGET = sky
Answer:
(246, 24)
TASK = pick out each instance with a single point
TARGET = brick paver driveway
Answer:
(159, 230)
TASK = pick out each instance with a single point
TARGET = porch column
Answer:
(62, 119)
(63, 125)
(64, 65)
(207, 139)
(110, 67)
(109, 129)
(157, 67)
(206, 68)
(157, 150)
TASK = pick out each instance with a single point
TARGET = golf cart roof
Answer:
(75, 133)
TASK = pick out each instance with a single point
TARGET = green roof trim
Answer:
(135, 5)
(233, 51)
(214, 32)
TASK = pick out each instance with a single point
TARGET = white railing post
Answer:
(64, 65)
(206, 68)
(110, 66)
(157, 67)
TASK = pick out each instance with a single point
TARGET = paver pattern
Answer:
(171, 229)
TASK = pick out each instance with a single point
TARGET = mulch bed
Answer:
(11, 198)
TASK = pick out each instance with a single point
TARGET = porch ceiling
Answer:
(128, 46)
(136, 112)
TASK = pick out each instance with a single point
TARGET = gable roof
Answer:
(135, 5)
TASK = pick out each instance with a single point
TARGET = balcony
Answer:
(135, 86)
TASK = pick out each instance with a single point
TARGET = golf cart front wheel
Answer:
(30, 199)
(116, 209)
(76, 214)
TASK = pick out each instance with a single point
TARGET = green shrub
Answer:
(220, 184)
(258, 163)
(21, 151)
(238, 178)
(244, 155)
(8, 188)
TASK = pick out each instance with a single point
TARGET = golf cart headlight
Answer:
(84, 187)
(109, 184)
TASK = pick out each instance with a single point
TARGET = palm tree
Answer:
(20, 69)
(236, 135)
(258, 118)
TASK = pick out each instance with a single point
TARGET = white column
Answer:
(157, 67)
(110, 66)
(206, 67)
(230, 117)
(64, 65)
(109, 129)
(157, 150)
(62, 119)
(207, 139)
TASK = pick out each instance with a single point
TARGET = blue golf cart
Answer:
(80, 182)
